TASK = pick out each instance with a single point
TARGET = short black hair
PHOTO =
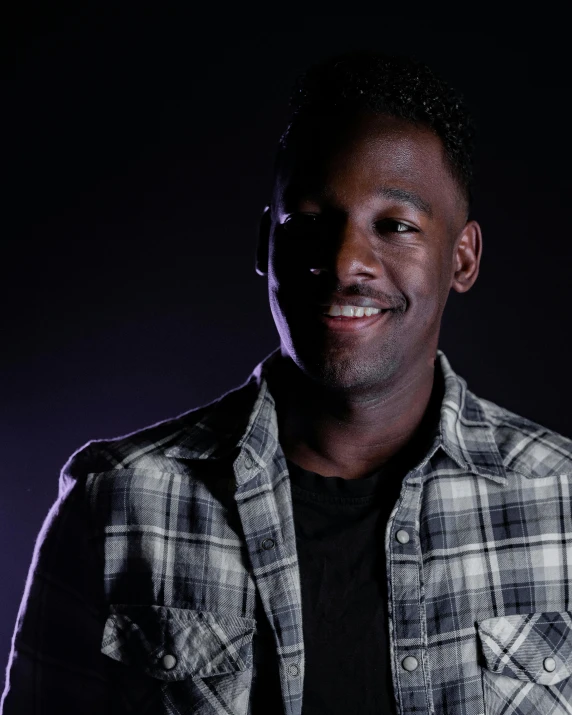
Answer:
(401, 87)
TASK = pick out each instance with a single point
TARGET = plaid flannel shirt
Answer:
(165, 547)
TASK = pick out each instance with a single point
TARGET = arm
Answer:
(56, 665)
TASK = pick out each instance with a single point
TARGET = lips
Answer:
(358, 301)
(343, 324)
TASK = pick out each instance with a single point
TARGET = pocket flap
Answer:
(175, 643)
(535, 646)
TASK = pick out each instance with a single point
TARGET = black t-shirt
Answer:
(340, 532)
(340, 538)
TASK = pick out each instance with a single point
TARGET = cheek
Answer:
(423, 278)
(281, 270)
(275, 266)
(289, 269)
(281, 260)
(416, 273)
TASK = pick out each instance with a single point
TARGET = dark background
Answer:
(136, 158)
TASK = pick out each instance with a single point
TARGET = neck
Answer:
(348, 436)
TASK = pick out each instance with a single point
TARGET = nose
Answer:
(349, 255)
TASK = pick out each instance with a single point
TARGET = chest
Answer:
(496, 549)
(479, 586)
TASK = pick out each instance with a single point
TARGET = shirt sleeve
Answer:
(55, 664)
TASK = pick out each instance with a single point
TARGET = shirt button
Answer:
(168, 661)
(549, 665)
(293, 670)
(410, 663)
(248, 462)
(268, 544)
(402, 536)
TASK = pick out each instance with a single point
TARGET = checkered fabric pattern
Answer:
(169, 547)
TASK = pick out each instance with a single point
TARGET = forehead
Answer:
(360, 154)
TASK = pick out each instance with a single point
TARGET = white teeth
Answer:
(351, 311)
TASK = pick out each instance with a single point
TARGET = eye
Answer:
(401, 227)
(301, 225)
(389, 225)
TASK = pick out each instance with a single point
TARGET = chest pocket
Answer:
(528, 664)
(176, 661)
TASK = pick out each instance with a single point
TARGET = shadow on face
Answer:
(365, 207)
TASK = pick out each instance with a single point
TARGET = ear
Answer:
(263, 241)
(467, 257)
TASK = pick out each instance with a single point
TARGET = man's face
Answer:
(369, 204)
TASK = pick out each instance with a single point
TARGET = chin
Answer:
(344, 372)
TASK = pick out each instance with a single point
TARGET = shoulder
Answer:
(526, 446)
(201, 429)
(141, 448)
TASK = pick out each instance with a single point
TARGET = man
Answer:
(351, 530)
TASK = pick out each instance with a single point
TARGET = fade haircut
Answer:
(400, 87)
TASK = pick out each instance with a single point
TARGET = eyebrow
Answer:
(405, 197)
(294, 192)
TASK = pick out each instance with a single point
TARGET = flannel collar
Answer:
(244, 422)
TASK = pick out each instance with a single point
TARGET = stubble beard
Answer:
(344, 369)
(337, 366)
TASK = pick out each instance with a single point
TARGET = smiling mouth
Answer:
(351, 311)
(346, 323)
